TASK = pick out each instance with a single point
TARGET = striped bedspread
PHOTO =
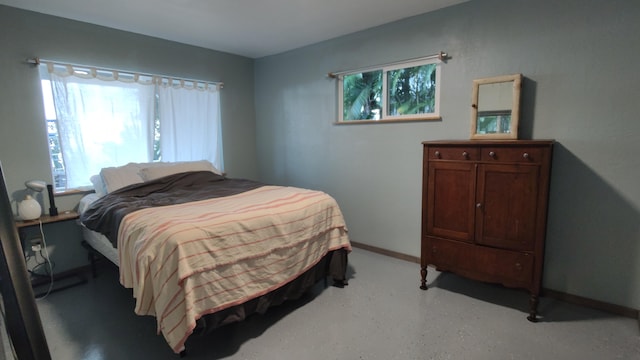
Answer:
(187, 260)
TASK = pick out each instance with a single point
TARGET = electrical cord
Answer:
(39, 264)
(44, 273)
(45, 255)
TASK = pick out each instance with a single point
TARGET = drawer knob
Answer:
(492, 154)
(526, 156)
(479, 205)
(518, 266)
(465, 154)
(437, 154)
(434, 250)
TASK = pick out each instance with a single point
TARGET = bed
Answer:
(200, 250)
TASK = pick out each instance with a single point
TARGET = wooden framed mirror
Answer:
(495, 107)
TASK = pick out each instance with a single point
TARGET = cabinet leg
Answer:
(533, 308)
(423, 282)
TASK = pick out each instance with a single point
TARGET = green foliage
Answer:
(55, 151)
(494, 122)
(362, 94)
(157, 152)
(412, 90)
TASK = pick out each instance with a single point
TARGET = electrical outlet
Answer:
(36, 244)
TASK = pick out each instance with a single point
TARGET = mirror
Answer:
(495, 107)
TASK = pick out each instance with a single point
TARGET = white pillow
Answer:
(156, 172)
(98, 185)
(118, 177)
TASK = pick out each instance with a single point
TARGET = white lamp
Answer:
(29, 208)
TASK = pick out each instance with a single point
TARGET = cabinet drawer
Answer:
(518, 154)
(511, 268)
(453, 153)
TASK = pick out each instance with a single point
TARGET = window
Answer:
(398, 92)
(57, 163)
(101, 118)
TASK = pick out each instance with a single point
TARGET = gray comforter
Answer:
(105, 214)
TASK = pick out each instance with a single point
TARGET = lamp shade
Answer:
(29, 208)
(36, 185)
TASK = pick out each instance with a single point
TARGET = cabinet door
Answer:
(506, 203)
(451, 190)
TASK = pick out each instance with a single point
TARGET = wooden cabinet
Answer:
(484, 210)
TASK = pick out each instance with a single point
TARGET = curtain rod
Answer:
(37, 61)
(442, 56)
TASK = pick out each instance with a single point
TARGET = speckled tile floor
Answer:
(382, 314)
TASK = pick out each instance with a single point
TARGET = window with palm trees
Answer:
(404, 91)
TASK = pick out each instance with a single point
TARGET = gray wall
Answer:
(580, 88)
(23, 146)
(579, 59)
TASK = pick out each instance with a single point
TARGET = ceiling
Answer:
(252, 28)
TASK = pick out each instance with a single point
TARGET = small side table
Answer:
(22, 225)
(46, 219)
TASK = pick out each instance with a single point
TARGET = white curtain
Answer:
(102, 121)
(190, 126)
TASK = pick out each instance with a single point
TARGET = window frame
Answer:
(384, 118)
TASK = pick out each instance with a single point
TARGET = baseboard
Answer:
(393, 254)
(591, 303)
(42, 285)
(572, 299)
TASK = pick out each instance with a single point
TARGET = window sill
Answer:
(390, 121)
(73, 192)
